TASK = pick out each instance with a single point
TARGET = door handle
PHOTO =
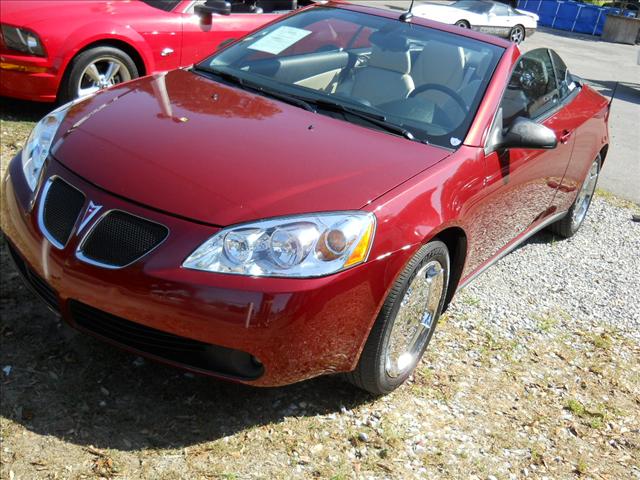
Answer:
(565, 136)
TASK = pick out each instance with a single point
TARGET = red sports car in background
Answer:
(61, 49)
(302, 203)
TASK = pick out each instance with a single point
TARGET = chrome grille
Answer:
(60, 207)
(119, 239)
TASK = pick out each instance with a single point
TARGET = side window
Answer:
(532, 89)
(566, 85)
(501, 10)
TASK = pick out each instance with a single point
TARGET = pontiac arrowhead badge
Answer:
(89, 213)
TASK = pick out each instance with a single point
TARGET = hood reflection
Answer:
(176, 98)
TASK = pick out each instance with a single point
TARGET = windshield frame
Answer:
(451, 140)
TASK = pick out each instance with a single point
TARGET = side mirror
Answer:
(523, 133)
(208, 8)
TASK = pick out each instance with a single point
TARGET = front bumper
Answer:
(296, 328)
(28, 78)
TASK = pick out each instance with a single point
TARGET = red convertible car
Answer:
(300, 203)
(63, 49)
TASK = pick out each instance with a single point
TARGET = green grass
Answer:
(575, 407)
(593, 418)
(581, 467)
(612, 199)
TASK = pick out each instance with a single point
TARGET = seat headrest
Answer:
(389, 41)
(395, 61)
(439, 63)
(390, 52)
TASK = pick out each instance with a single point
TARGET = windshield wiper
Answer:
(241, 82)
(313, 104)
(375, 118)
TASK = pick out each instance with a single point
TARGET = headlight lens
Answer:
(22, 40)
(37, 148)
(298, 246)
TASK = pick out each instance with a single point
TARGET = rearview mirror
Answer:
(208, 8)
(524, 133)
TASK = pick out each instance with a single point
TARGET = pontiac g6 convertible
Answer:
(305, 201)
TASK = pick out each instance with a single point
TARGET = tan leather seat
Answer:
(385, 78)
(442, 64)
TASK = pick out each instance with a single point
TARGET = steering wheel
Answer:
(441, 88)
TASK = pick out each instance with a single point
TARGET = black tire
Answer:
(521, 34)
(567, 226)
(371, 374)
(69, 86)
(463, 24)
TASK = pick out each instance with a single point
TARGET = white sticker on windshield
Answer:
(455, 141)
(280, 39)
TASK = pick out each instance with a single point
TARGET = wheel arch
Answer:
(455, 239)
(603, 154)
(142, 59)
(121, 45)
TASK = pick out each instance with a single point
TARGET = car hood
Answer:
(189, 146)
(33, 13)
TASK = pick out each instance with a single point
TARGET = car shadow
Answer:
(12, 109)
(567, 34)
(621, 91)
(58, 382)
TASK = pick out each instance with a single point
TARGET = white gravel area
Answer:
(592, 279)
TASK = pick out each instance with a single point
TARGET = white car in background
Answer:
(482, 15)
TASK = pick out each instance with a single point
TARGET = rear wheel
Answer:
(463, 24)
(406, 322)
(517, 34)
(95, 69)
(571, 223)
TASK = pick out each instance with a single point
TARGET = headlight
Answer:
(22, 40)
(297, 246)
(36, 149)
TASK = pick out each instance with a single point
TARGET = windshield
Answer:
(419, 82)
(473, 6)
(166, 5)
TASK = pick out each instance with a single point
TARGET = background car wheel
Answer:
(517, 34)
(570, 224)
(95, 69)
(463, 24)
(406, 322)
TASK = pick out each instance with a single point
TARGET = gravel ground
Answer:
(593, 277)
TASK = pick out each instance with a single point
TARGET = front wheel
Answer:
(568, 225)
(463, 24)
(406, 322)
(517, 34)
(95, 69)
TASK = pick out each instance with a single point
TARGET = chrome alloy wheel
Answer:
(517, 34)
(583, 200)
(415, 319)
(103, 72)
